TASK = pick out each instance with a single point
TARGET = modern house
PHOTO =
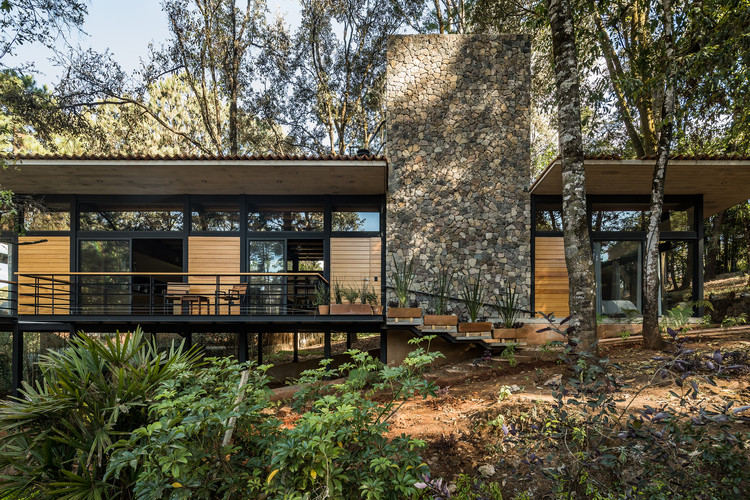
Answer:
(185, 246)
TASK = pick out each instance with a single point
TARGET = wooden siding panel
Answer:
(214, 255)
(48, 257)
(353, 259)
(550, 276)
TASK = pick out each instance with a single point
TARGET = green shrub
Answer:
(336, 449)
(56, 438)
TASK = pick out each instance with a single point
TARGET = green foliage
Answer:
(624, 334)
(504, 393)
(181, 453)
(509, 353)
(338, 292)
(472, 294)
(677, 318)
(57, 437)
(592, 446)
(322, 294)
(350, 294)
(337, 448)
(442, 284)
(734, 320)
(507, 305)
(403, 276)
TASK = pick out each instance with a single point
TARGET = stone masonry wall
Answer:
(459, 159)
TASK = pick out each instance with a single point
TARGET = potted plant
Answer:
(368, 296)
(472, 295)
(353, 307)
(403, 277)
(441, 320)
(506, 304)
(322, 298)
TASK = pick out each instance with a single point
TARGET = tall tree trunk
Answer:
(578, 254)
(652, 339)
(712, 252)
(233, 84)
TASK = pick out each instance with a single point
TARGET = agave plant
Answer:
(56, 438)
(472, 294)
(442, 288)
(403, 277)
(507, 305)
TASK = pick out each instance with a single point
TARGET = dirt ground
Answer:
(461, 427)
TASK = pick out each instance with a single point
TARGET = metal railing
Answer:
(8, 299)
(159, 294)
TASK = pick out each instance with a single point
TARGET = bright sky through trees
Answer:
(126, 28)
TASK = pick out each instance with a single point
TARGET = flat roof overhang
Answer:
(723, 182)
(197, 176)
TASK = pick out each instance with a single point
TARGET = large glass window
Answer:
(6, 306)
(105, 294)
(45, 216)
(279, 218)
(135, 217)
(265, 294)
(214, 217)
(676, 269)
(618, 273)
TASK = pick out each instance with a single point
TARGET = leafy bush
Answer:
(56, 439)
(593, 448)
(336, 448)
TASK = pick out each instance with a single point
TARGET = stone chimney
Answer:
(459, 159)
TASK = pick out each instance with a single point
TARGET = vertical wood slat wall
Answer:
(550, 276)
(214, 255)
(48, 257)
(353, 259)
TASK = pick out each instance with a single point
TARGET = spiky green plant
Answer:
(338, 292)
(322, 294)
(403, 276)
(472, 295)
(441, 288)
(56, 438)
(507, 305)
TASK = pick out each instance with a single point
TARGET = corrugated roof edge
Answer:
(144, 157)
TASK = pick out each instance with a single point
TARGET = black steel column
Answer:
(327, 344)
(349, 340)
(384, 345)
(296, 348)
(17, 361)
(242, 347)
(260, 348)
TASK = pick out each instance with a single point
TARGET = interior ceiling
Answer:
(117, 177)
(723, 183)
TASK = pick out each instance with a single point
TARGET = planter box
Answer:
(404, 316)
(351, 309)
(507, 333)
(477, 329)
(324, 309)
(440, 323)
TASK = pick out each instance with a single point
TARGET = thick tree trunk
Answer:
(652, 339)
(712, 252)
(578, 254)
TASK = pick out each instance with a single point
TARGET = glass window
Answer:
(677, 217)
(634, 217)
(265, 256)
(622, 217)
(6, 306)
(141, 217)
(549, 217)
(105, 294)
(618, 272)
(355, 221)
(275, 218)
(47, 217)
(676, 270)
(214, 217)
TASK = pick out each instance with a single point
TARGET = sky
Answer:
(125, 27)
